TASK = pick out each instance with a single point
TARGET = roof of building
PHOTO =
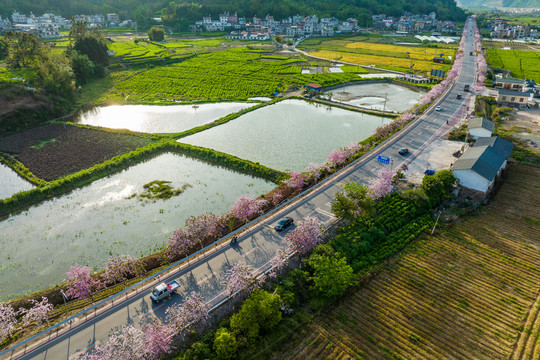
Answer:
(481, 122)
(512, 92)
(314, 86)
(483, 160)
(503, 146)
(509, 81)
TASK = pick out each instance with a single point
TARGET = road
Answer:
(258, 245)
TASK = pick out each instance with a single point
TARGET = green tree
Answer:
(3, 49)
(437, 186)
(89, 41)
(261, 312)
(352, 202)
(331, 274)
(56, 76)
(225, 344)
(23, 49)
(82, 66)
(156, 34)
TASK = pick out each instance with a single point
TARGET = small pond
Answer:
(289, 134)
(157, 119)
(11, 183)
(103, 219)
(379, 96)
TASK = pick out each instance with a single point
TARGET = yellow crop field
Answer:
(469, 292)
(388, 62)
(394, 57)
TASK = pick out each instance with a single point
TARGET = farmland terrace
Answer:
(470, 292)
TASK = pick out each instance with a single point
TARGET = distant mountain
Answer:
(187, 11)
(498, 4)
(521, 3)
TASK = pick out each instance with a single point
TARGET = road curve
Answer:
(256, 246)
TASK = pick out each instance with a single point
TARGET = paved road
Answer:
(259, 245)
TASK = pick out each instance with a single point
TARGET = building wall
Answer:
(479, 132)
(472, 180)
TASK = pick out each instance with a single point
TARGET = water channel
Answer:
(288, 135)
(157, 119)
(11, 183)
(390, 97)
(100, 220)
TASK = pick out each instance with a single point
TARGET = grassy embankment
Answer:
(469, 292)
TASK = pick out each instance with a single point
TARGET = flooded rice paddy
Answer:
(157, 119)
(390, 97)
(288, 135)
(102, 219)
(11, 183)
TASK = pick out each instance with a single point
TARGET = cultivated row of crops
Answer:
(522, 64)
(470, 292)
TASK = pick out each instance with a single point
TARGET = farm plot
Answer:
(234, 74)
(470, 292)
(52, 151)
(361, 52)
(522, 64)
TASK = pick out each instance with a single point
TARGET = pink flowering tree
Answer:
(120, 268)
(305, 236)
(245, 208)
(196, 228)
(183, 317)
(38, 313)
(278, 263)
(242, 278)
(81, 284)
(151, 342)
(296, 181)
(382, 185)
(336, 158)
(158, 340)
(277, 197)
(8, 321)
(315, 170)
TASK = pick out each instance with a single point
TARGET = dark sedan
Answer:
(283, 223)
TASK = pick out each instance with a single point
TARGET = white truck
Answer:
(163, 290)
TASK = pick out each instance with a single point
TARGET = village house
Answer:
(480, 127)
(480, 166)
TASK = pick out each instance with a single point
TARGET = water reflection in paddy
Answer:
(11, 183)
(379, 96)
(289, 134)
(96, 221)
(157, 119)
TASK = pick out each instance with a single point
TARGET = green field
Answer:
(522, 64)
(232, 74)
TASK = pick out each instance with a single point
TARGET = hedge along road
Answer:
(257, 245)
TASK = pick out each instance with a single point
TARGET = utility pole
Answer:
(65, 303)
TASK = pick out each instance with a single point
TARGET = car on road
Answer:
(283, 223)
(163, 290)
(403, 151)
(458, 96)
(438, 108)
(430, 172)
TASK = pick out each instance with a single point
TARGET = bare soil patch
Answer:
(53, 151)
(525, 124)
(469, 292)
